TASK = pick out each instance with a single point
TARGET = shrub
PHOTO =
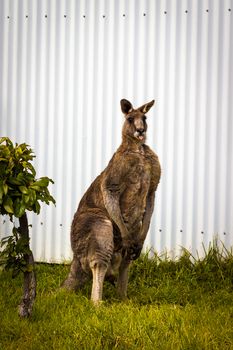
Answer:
(20, 192)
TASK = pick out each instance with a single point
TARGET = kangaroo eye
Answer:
(144, 118)
(130, 120)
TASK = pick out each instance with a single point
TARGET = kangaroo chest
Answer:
(133, 198)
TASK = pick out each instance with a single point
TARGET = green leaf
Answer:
(15, 181)
(19, 208)
(36, 208)
(1, 190)
(42, 182)
(21, 177)
(8, 205)
(29, 166)
(28, 178)
(23, 189)
(5, 152)
(32, 195)
(18, 152)
(26, 198)
(51, 199)
(15, 232)
(5, 188)
(35, 187)
(7, 140)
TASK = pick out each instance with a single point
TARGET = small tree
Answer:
(20, 191)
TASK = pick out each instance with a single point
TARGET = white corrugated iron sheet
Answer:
(65, 65)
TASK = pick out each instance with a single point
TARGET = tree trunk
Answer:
(29, 284)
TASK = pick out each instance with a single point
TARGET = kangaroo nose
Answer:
(140, 130)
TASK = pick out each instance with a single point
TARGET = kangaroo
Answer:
(113, 216)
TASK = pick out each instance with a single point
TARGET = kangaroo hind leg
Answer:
(100, 255)
(76, 278)
(98, 272)
(122, 282)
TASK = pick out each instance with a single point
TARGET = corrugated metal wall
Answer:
(65, 65)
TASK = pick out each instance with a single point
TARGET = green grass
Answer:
(181, 304)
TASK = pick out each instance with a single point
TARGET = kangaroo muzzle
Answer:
(140, 134)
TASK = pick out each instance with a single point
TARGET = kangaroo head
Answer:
(135, 125)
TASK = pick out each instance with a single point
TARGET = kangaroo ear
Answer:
(126, 106)
(145, 108)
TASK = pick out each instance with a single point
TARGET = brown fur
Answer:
(113, 217)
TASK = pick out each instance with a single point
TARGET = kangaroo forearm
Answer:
(115, 214)
(147, 217)
(145, 228)
(111, 203)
